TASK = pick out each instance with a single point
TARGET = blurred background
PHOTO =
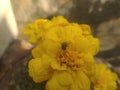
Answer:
(102, 15)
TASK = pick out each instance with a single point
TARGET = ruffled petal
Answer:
(47, 47)
(86, 29)
(39, 68)
(35, 30)
(89, 67)
(67, 80)
(81, 81)
(104, 78)
(94, 44)
(61, 80)
(60, 20)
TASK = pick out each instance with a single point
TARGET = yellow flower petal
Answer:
(39, 68)
(35, 30)
(60, 20)
(56, 66)
(65, 80)
(81, 44)
(94, 44)
(86, 29)
(60, 81)
(47, 47)
(80, 81)
(104, 78)
(89, 67)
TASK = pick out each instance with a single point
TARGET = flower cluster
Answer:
(64, 56)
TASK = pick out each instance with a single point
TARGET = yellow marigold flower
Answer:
(64, 56)
(72, 50)
(104, 78)
(62, 60)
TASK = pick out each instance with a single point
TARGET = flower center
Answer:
(69, 58)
